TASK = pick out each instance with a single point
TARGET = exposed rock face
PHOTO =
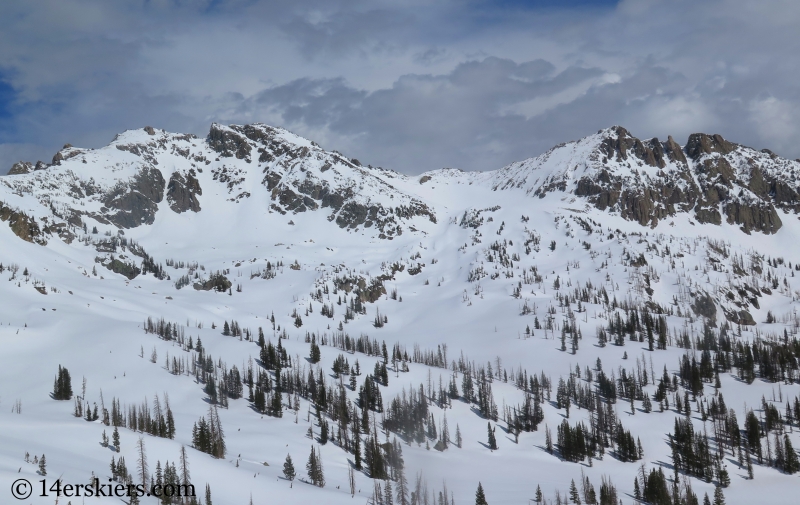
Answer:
(182, 192)
(21, 167)
(126, 180)
(229, 142)
(758, 216)
(23, 226)
(700, 144)
(217, 282)
(742, 317)
(704, 306)
(618, 146)
(711, 180)
(303, 177)
(135, 203)
(648, 181)
(129, 270)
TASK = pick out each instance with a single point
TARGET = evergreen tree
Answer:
(288, 468)
(277, 405)
(314, 469)
(115, 439)
(724, 477)
(792, 464)
(492, 439)
(315, 354)
(480, 498)
(356, 446)
(719, 498)
(574, 497)
(62, 386)
(42, 466)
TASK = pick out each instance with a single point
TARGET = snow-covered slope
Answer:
(559, 267)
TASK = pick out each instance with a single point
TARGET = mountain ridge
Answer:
(135, 252)
(646, 181)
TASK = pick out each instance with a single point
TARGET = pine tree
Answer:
(115, 439)
(573, 493)
(208, 495)
(62, 386)
(539, 497)
(315, 353)
(314, 469)
(288, 468)
(42, 466)
(357, 448)
(459, 440)
(492, 439)
(719, 498)
(320, 471)
(323, 431)
(724, 477)
(480, 498)
(792, 464)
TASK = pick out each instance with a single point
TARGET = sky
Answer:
(410, 85)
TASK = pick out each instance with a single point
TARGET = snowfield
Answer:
(489, 281)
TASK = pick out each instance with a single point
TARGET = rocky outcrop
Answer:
(704, 306)
(758, 216)
(742, 317)
(217, 282)
(182, 192)
(302, 177)
(134, 203)
(23, 226)
(712, 179)
(621, 144)
(228, 142)
(21, 167)
(129, 270)
(701, 143)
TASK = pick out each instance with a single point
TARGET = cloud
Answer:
(408, 85)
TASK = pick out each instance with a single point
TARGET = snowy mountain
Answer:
(611, 309)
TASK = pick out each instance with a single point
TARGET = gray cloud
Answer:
(407, 85)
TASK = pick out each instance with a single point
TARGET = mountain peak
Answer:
(649, 180)
(269, 170)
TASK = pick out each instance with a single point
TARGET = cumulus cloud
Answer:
(408, 85)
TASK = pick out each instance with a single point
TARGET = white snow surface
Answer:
(92, 324)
